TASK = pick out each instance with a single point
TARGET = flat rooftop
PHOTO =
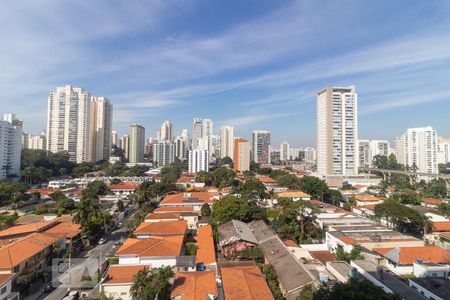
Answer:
(438, 286)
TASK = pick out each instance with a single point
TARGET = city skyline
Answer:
(178, 69)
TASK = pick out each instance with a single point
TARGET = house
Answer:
(206, 253)
(235, 236)
(292, 274)
(167, 228)
(431, 202)
(118, 281)
(24, 230)
(155, 251)
(294, 195)
(267, 181)
(439, 239)
(123, 188)
(364, 200)
(400, 260)
(173, 209)
(191, 199)
(151, 217)
(186, 263)
(244, 280)
(431, 288)
(29, 254)
(6, 292)
(341, 270)
(194, 285)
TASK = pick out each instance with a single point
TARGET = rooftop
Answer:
(172, 209)
(69, 229)
(5, 278)
(244, 281)
(186, 261)
(441, 226)
(438, 286)
(432, 201)
(408, 255)
(162, 228)
(206, 253)
(194, 285)
(124, 186)
(293, 194)
(367, 198)
(27, 228)
(153, 246)
(162, 216)
(323, 256)
(191, 197)
(234, 231)
(119, 274)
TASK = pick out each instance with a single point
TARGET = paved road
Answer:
(89, 264)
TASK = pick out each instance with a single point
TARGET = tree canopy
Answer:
(147, 284)
(234, 208)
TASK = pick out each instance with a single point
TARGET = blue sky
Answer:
(251, 64)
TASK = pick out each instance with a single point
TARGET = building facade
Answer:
(368, 149)
(261, 146)
(68, 122)
(337, 131)
(241, 155)
(165, 133)
(418, 147)
(285, 150)
(100, 129)
(227, 142)
(198, 161)
(136, 146)
(10, 147)
(163, 153)
(443, 150)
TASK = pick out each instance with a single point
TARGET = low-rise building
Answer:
(6, 292)
(155, 252)
(364, 200)
(167, 228)
(295, 195)
(235, 236)
(244, 280)
(206, 253)
(431, 202)
(431, 288)
(194, 285)
(123, 188)
(118, 281)
(191, 199)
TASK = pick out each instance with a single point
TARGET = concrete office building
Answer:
(68, 122)
(418, 146)
(285, 150)
(10, 146)
(100, 129)
(227, 141)
(198, 161)
(137, 142)
(337, 131)
(261, 146)
(241, 155)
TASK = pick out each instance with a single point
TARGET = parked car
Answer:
(48, 288)
(102, 240)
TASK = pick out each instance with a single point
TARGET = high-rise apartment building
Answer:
(68, 122)
(165, 133)
(115, 138)
(36, 142)
(124, 143)
(285, 151)
(10, 146)
(261, 146)
(241, 155)
(100, 129)
(337, 131)
(418, 147)
(137, 141)
(443, 151)
(227, 142)
(197, 132)
(198, 161)
(25, 139)
(368, 149)
(181, 147)
(207, 127)
(310, 155)
(163, 153)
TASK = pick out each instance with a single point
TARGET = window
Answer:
(3, 291)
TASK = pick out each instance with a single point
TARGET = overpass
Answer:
(386, 173)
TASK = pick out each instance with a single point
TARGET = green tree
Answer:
(313, 186)
(445, 209)
(226, 161)
(98, 187)
(115, 181)
(437, 187)
(307, 293)
(251, 189)
(233, 208)
(83, 168)
(222, 177)
(12, 191)
(206, 210)
(120, 205)
(354, 290)
(149, 284)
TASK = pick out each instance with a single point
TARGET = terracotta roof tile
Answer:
(124, 186)
(162, 228)
(6, 277)
(348, 240)
(119, 274)
(206, 252)
(27, 228)
(163, 216)
(266, 179)
(441, 226)
(432, 201)
(244, 283)
(153, 246)
(367, 198)
(172, 209)
(69, 229)
(323, 256)
(43, 191)
(290, 243)
(408, 255)
(194, 285)
(187, 198)
(293, 194)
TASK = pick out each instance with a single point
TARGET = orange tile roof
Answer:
(124, 186)
(266, 179)
(162, 228)
(119, 274)
(22, 249)
(323, 256)
(408, 255)
(173, 209)
(244, 283)
(290, 243)
(206, 253)
(163, 216)
(432, 201)
(27, 228)
(194, 285)
(153, 246)
(6, 277)
(186, 198)
(43, 191)
(69, 229)
(293, 194)
(348, 240)
(359, 186)
(367, 198)
(441, 226)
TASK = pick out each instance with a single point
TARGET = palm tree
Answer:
(140, 283)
